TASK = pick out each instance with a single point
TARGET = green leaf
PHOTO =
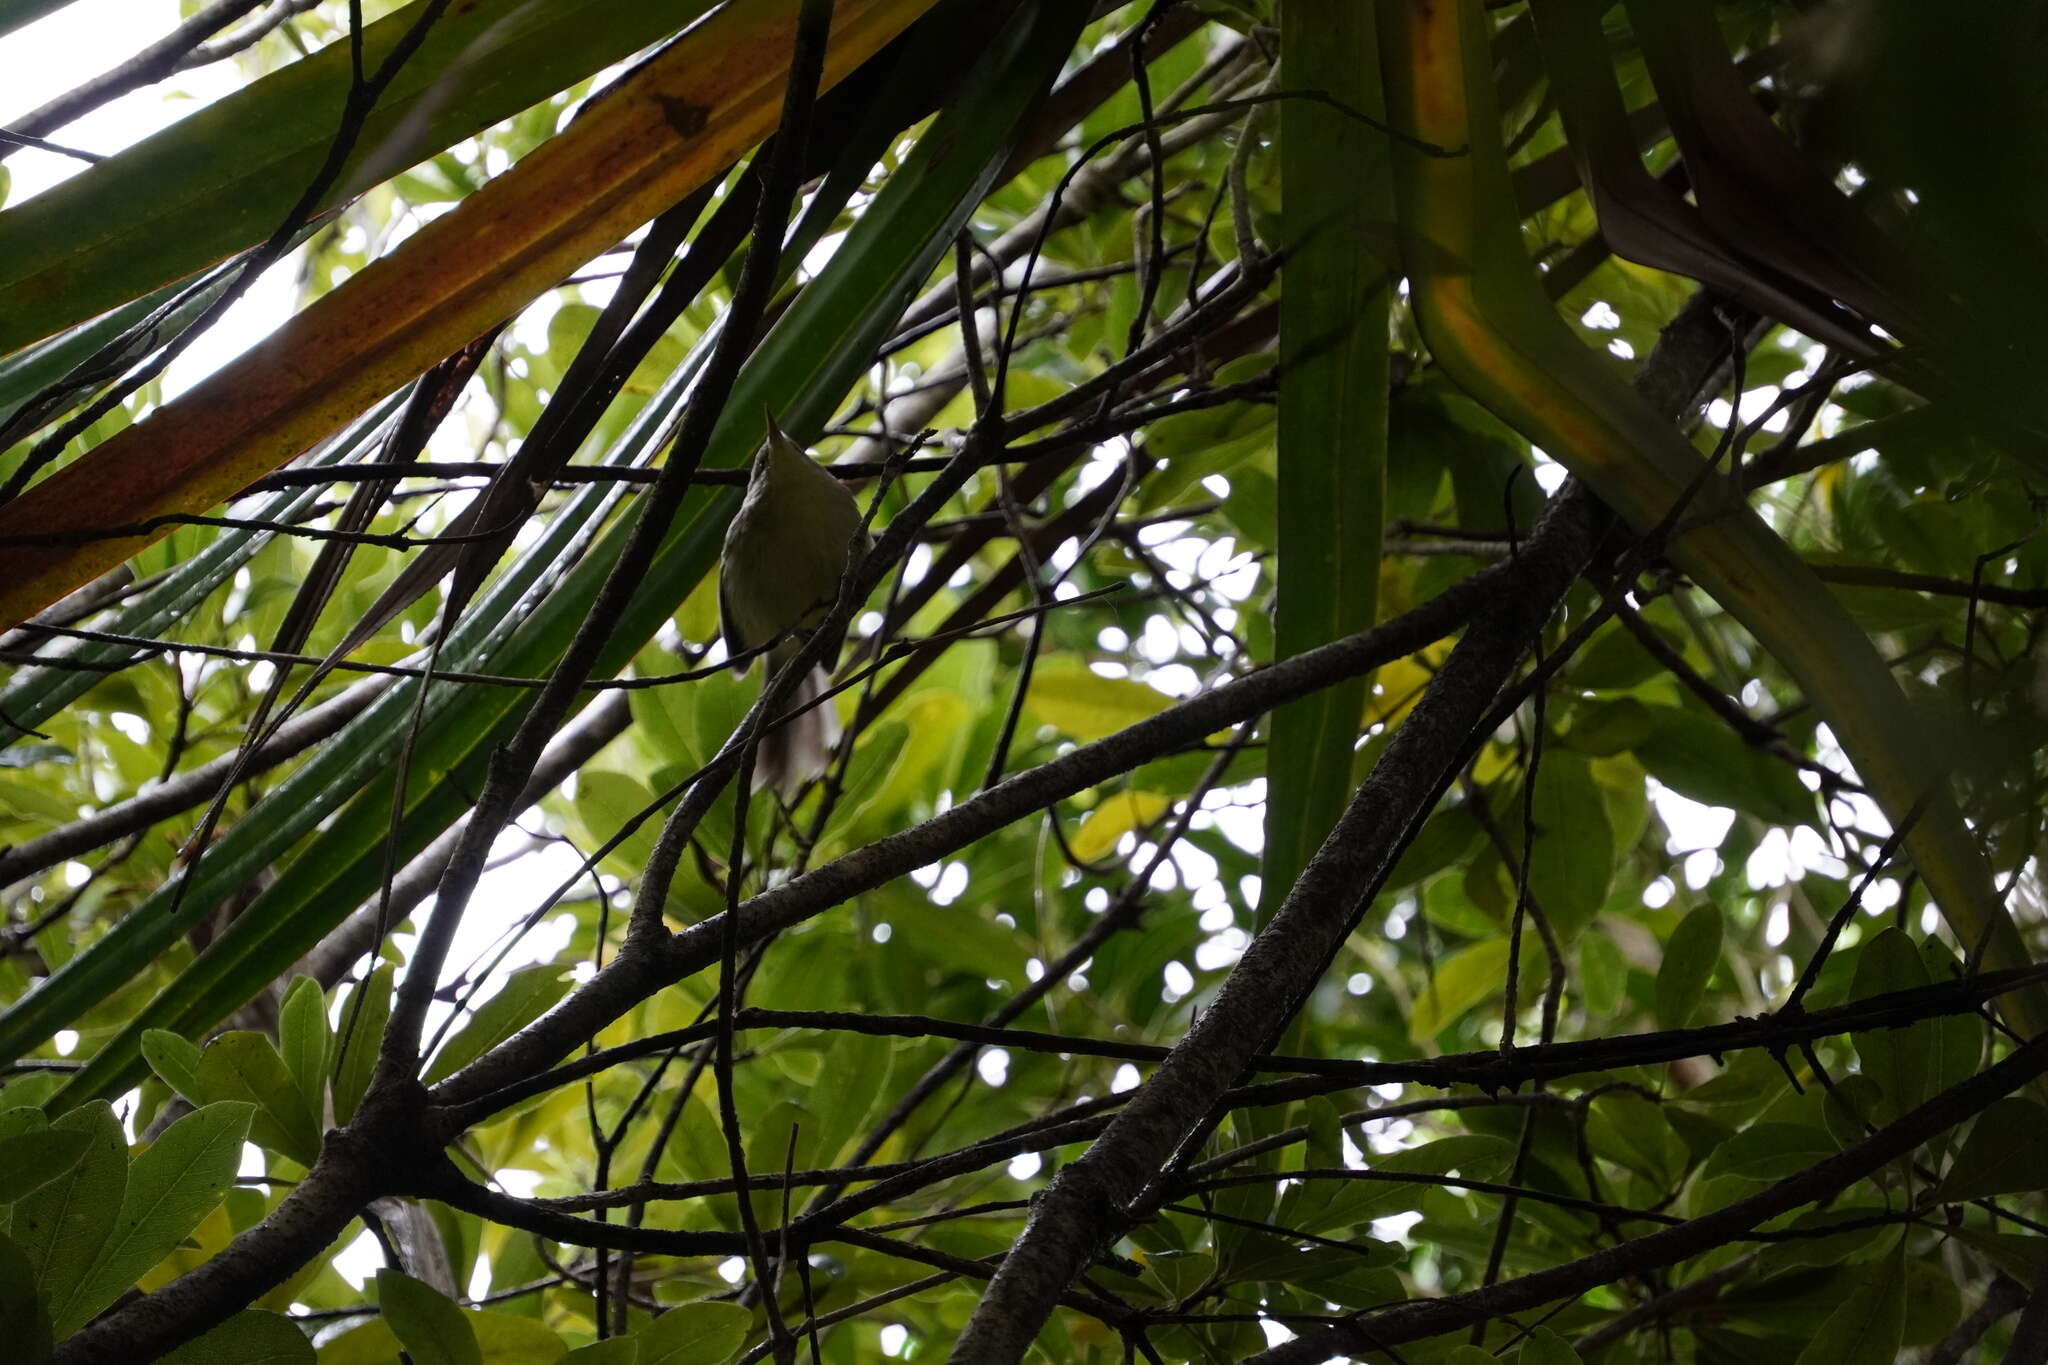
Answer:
(428, 1325)
(244, 1065)
(1934, 1303)
(1444, 836)
(1614, 660)
(1357, 1285)
(499, 1338)
(362, 1029)
(1545, 1347)
(617, 1351)
(1283, 1260)
(1746, 1084)
(1771, 1151)
(697, 1149)
(172, 1185)
(16, 1120)
(30, 1090)
(1120, 813)
(1871, 1323)
(526, 995)
(2004, 1153)
(1605, 728)
(62, 1225)
(852, 1081)
(1632, 1131)
(1573, 858)
(1323, 1206)
(695, 1334)
(1900, 1060)
(1460, 981)
(605, 802)
(1602, 974)
(251, 1337)
(1332, 454)
(1242, 1207)
(1697, 756)
(1957, 1048)
(1207, 441)
(1253, 507)
(1850, 1109)
(306, 1041)
(27, 1160)
(1465, 978)
(1085, 706)
(508, 1340)
(786, 1127)
(2020, 1255)
(176, 1059)
(24, 1324)
(1815, 1246)
(1174, 1275)
(1690, 956)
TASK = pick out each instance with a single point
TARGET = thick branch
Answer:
(1085, 1205)
(348, 1175)
(1088, 1201)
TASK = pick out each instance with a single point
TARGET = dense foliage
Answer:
(1442, 733)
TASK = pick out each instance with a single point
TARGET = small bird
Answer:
(786, 552)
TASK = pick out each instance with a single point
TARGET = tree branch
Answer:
(1089, 1201)
(1433, 1317)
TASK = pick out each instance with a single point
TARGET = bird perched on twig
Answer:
(786, 552)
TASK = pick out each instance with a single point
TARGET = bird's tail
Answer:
(799, 749)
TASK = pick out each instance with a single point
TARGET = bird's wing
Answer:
(728, 624)
(856, 551)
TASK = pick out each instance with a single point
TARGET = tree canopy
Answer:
(1440, 728)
